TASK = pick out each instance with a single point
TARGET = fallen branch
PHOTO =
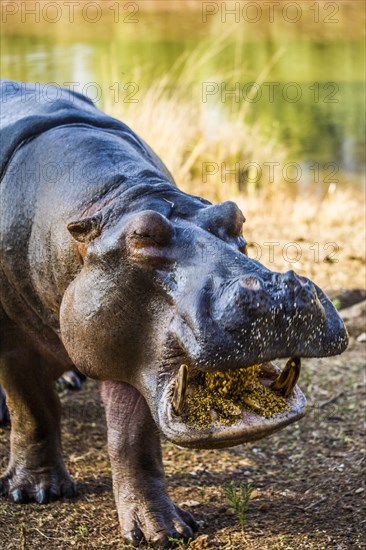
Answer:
(331, 400)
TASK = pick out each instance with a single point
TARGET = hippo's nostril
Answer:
(297, 285)
(250, 282)
(290, 278)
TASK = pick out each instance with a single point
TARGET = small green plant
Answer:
(83, 531)
(337, 303)
(239, 497)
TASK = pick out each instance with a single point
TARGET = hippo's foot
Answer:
(41, 485)
(161, 523)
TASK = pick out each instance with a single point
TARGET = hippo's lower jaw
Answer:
(248, 425)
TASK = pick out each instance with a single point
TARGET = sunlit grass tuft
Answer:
(201, 141)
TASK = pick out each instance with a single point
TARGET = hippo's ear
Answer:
(84, 231)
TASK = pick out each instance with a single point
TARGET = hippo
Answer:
(107, 267)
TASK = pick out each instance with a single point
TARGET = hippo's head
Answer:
(166, 292)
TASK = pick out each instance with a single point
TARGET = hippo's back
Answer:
(26, 113)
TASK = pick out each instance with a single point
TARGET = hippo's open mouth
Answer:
(226, 408)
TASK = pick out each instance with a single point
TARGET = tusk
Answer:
(180, 389)
(286, 381)
(268, 369)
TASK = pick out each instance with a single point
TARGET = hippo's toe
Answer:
(19, 496)
(161, 528)
(24, 486)
(187, 518)
(135, 536)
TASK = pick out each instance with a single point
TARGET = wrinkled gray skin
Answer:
(107, 266)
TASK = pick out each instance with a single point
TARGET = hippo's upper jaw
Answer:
(204, 307)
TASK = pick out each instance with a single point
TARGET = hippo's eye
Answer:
(150, 228)
(148, 235)
(145, 239)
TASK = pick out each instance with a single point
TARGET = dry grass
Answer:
(329, 236)
(186, 131)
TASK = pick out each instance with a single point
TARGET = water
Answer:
(311, 86)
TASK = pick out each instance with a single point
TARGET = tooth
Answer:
(286, 381)
(180, 389)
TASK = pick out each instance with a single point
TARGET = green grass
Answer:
(238, 496)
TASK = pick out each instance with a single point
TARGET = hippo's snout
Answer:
(276, 315)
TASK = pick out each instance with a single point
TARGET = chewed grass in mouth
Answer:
(220, 397)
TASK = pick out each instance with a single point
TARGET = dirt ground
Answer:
(309, 479)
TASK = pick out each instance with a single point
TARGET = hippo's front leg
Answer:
(144, 508)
